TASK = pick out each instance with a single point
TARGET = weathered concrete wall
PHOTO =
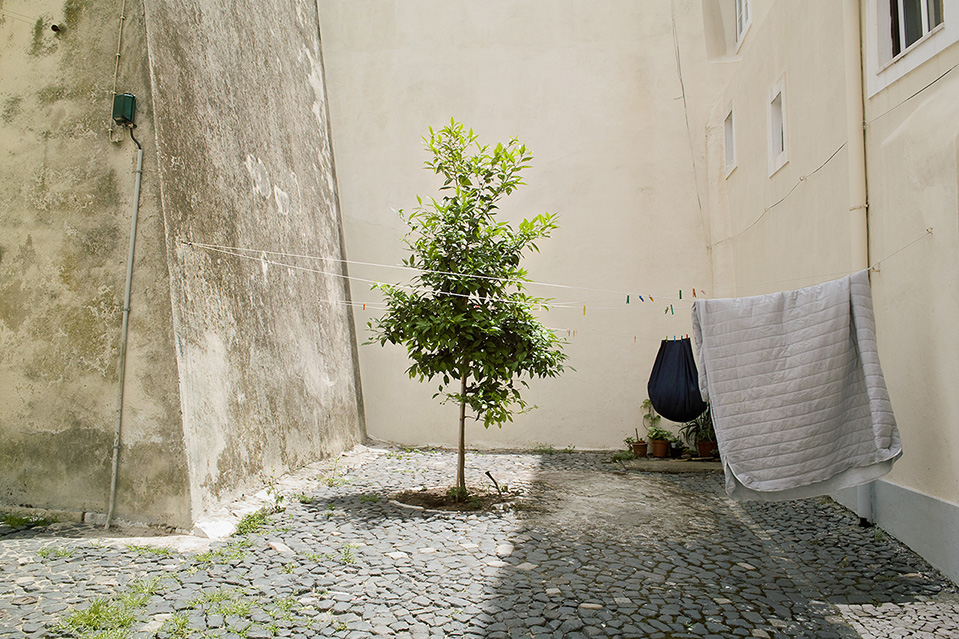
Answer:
(266, 353)
(65, 205)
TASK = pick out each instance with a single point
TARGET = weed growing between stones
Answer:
(102, 618)
(333, 480)
(142, 550)
(305, 499)
(147, 587)
(348, 553)
(26, 521)
(253, 523)
(544, 449)
(214, 596)
(176, 626)
(234, 551)
(368, 498)
(59, 552)
(273, 491)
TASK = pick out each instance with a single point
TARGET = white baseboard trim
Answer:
(928, 525)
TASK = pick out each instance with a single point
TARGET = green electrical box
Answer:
(124, 108)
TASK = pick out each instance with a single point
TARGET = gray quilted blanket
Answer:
(796, 392)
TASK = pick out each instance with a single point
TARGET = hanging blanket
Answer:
(797, 396)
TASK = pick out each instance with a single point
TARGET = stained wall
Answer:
(66, 201)
(263, 340)
(237, 368)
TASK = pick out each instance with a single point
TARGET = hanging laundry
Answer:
(795, 389)
(673, 385)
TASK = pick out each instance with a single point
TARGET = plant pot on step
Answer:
(707, 448)
(639, 449)
(659, 447)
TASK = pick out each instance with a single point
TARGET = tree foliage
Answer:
(467, 321)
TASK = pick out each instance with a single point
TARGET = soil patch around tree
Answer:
(440, 499)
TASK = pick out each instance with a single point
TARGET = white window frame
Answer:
(776, 126)
(743, 19)
(882, 69)
(729, 141)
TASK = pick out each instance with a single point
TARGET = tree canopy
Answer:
(467, 321)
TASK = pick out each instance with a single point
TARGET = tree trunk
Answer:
(461, 459)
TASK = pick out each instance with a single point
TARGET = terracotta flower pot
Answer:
(639, 449)
(706, 449)
(659, 447)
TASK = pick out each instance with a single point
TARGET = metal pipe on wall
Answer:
(124, 331)
(858, 191)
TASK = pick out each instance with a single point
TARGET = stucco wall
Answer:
(65, 206)
(790, 229)
(763, 242)
(594, 91)
(265, 352)
(913, 185)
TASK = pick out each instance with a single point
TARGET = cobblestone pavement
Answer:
(589, 551)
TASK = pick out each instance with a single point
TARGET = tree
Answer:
(467, 320)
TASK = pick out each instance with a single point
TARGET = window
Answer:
(729, 143)
(910, 20)
(903, 34)
(777, 126)
(742, 19)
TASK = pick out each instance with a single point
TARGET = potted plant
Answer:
(659, 441)
(658, 437)
(700, 433)
(636, 445)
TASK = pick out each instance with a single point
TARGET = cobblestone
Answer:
(590, 550)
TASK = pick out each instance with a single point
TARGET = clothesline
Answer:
(630, 300)
(632, 296)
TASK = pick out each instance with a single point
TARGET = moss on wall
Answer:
(65, 206)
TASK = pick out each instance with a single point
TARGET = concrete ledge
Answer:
(652, 465)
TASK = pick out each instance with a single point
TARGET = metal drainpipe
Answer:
(125, 329)
(858, 194)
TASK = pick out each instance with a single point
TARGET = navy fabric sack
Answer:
(674, 383)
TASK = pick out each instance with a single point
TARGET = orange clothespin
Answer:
(694, 292)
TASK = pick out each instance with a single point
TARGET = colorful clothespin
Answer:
(680, 293)
(641, 298)
(364, 306)
(627, 299)
(584, 309)
(651, 299)
(671, 309)
(694, 292)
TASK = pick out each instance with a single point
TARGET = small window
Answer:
(777, 127)
(742, 19)
(730, 143)
(910, 20)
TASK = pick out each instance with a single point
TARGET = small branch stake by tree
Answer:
(467, 320)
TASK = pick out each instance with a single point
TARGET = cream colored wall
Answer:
(760, 246)
(790, 229)
(912, 147)
(594, 91)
